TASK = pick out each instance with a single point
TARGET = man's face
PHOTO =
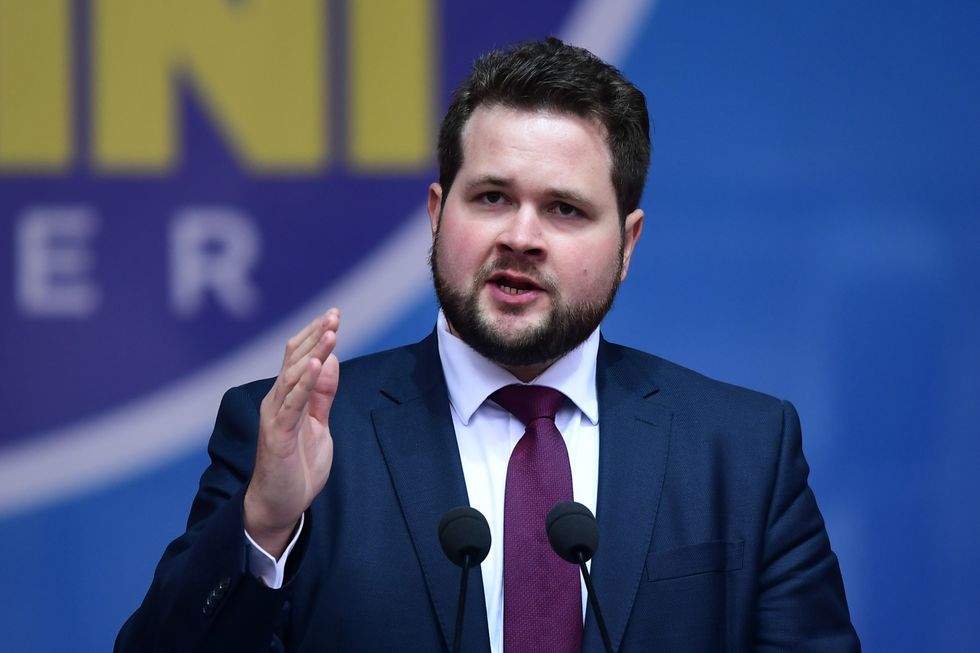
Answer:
(528, 251)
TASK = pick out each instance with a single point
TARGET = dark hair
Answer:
(554, 76)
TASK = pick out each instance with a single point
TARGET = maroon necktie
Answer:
(542, 594)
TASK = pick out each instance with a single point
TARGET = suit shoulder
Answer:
(245, 398)
(705, 410)
(393, 361)
(398, 374)
(376, 364)
(679, 384)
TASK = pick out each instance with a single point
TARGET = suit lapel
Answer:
(417, 438)
(634, 437)
(416, 435)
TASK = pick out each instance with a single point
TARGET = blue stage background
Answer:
(812, 232)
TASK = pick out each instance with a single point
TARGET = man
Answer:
(315, 526)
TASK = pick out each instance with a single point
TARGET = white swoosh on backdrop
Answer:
(155, 429)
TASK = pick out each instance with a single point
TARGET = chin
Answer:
(510, 327)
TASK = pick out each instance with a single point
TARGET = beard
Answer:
(563, 328)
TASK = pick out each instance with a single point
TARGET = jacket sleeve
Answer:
(801, 604)
(202, 597)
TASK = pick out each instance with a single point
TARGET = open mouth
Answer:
(510, 290)
(513, 284)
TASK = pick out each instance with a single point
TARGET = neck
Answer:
(527, 373)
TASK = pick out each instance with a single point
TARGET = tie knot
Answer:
(529, 402)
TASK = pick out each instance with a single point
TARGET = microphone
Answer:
(465, 538)
(574, 535)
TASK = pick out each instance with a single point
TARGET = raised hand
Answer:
(295, 450)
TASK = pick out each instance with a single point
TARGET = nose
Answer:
(522, 233)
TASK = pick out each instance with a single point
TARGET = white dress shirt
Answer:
(486, 435)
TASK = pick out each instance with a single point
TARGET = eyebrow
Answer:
(487, 180)
(571, 197)
(563, 194)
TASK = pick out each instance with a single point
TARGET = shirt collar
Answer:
(471, 378)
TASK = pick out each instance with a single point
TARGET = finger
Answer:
(321, 342)
(295, 404)
(325, 389)
(293, 343)
(289, 377)
(303, 347)
(299, 347)
(333, 319)
(330, 320)
(325, 345)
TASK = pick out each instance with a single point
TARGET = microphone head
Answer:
(572, 529)
(464, 531)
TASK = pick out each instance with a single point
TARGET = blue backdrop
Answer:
(812, 232)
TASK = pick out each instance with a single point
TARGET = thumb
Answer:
(325, 389)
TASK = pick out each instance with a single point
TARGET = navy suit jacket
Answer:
(710, 538)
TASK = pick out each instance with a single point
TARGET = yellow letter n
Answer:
(35, 85)
(257, 66)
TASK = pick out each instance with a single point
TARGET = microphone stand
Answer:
(594, 602)
(458, 639)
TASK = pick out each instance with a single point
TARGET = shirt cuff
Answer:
(266, 568)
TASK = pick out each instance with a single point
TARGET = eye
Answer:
(566, 210)
(492, 197)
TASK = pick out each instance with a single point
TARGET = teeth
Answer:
(511, 291)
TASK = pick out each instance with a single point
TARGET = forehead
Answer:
(525, 144)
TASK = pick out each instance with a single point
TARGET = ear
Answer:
(631, 234)
(434, 205)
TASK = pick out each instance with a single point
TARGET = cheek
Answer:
(592, 267)
(580, 280)
(458, 254)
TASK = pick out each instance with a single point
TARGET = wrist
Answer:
(271, 536)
